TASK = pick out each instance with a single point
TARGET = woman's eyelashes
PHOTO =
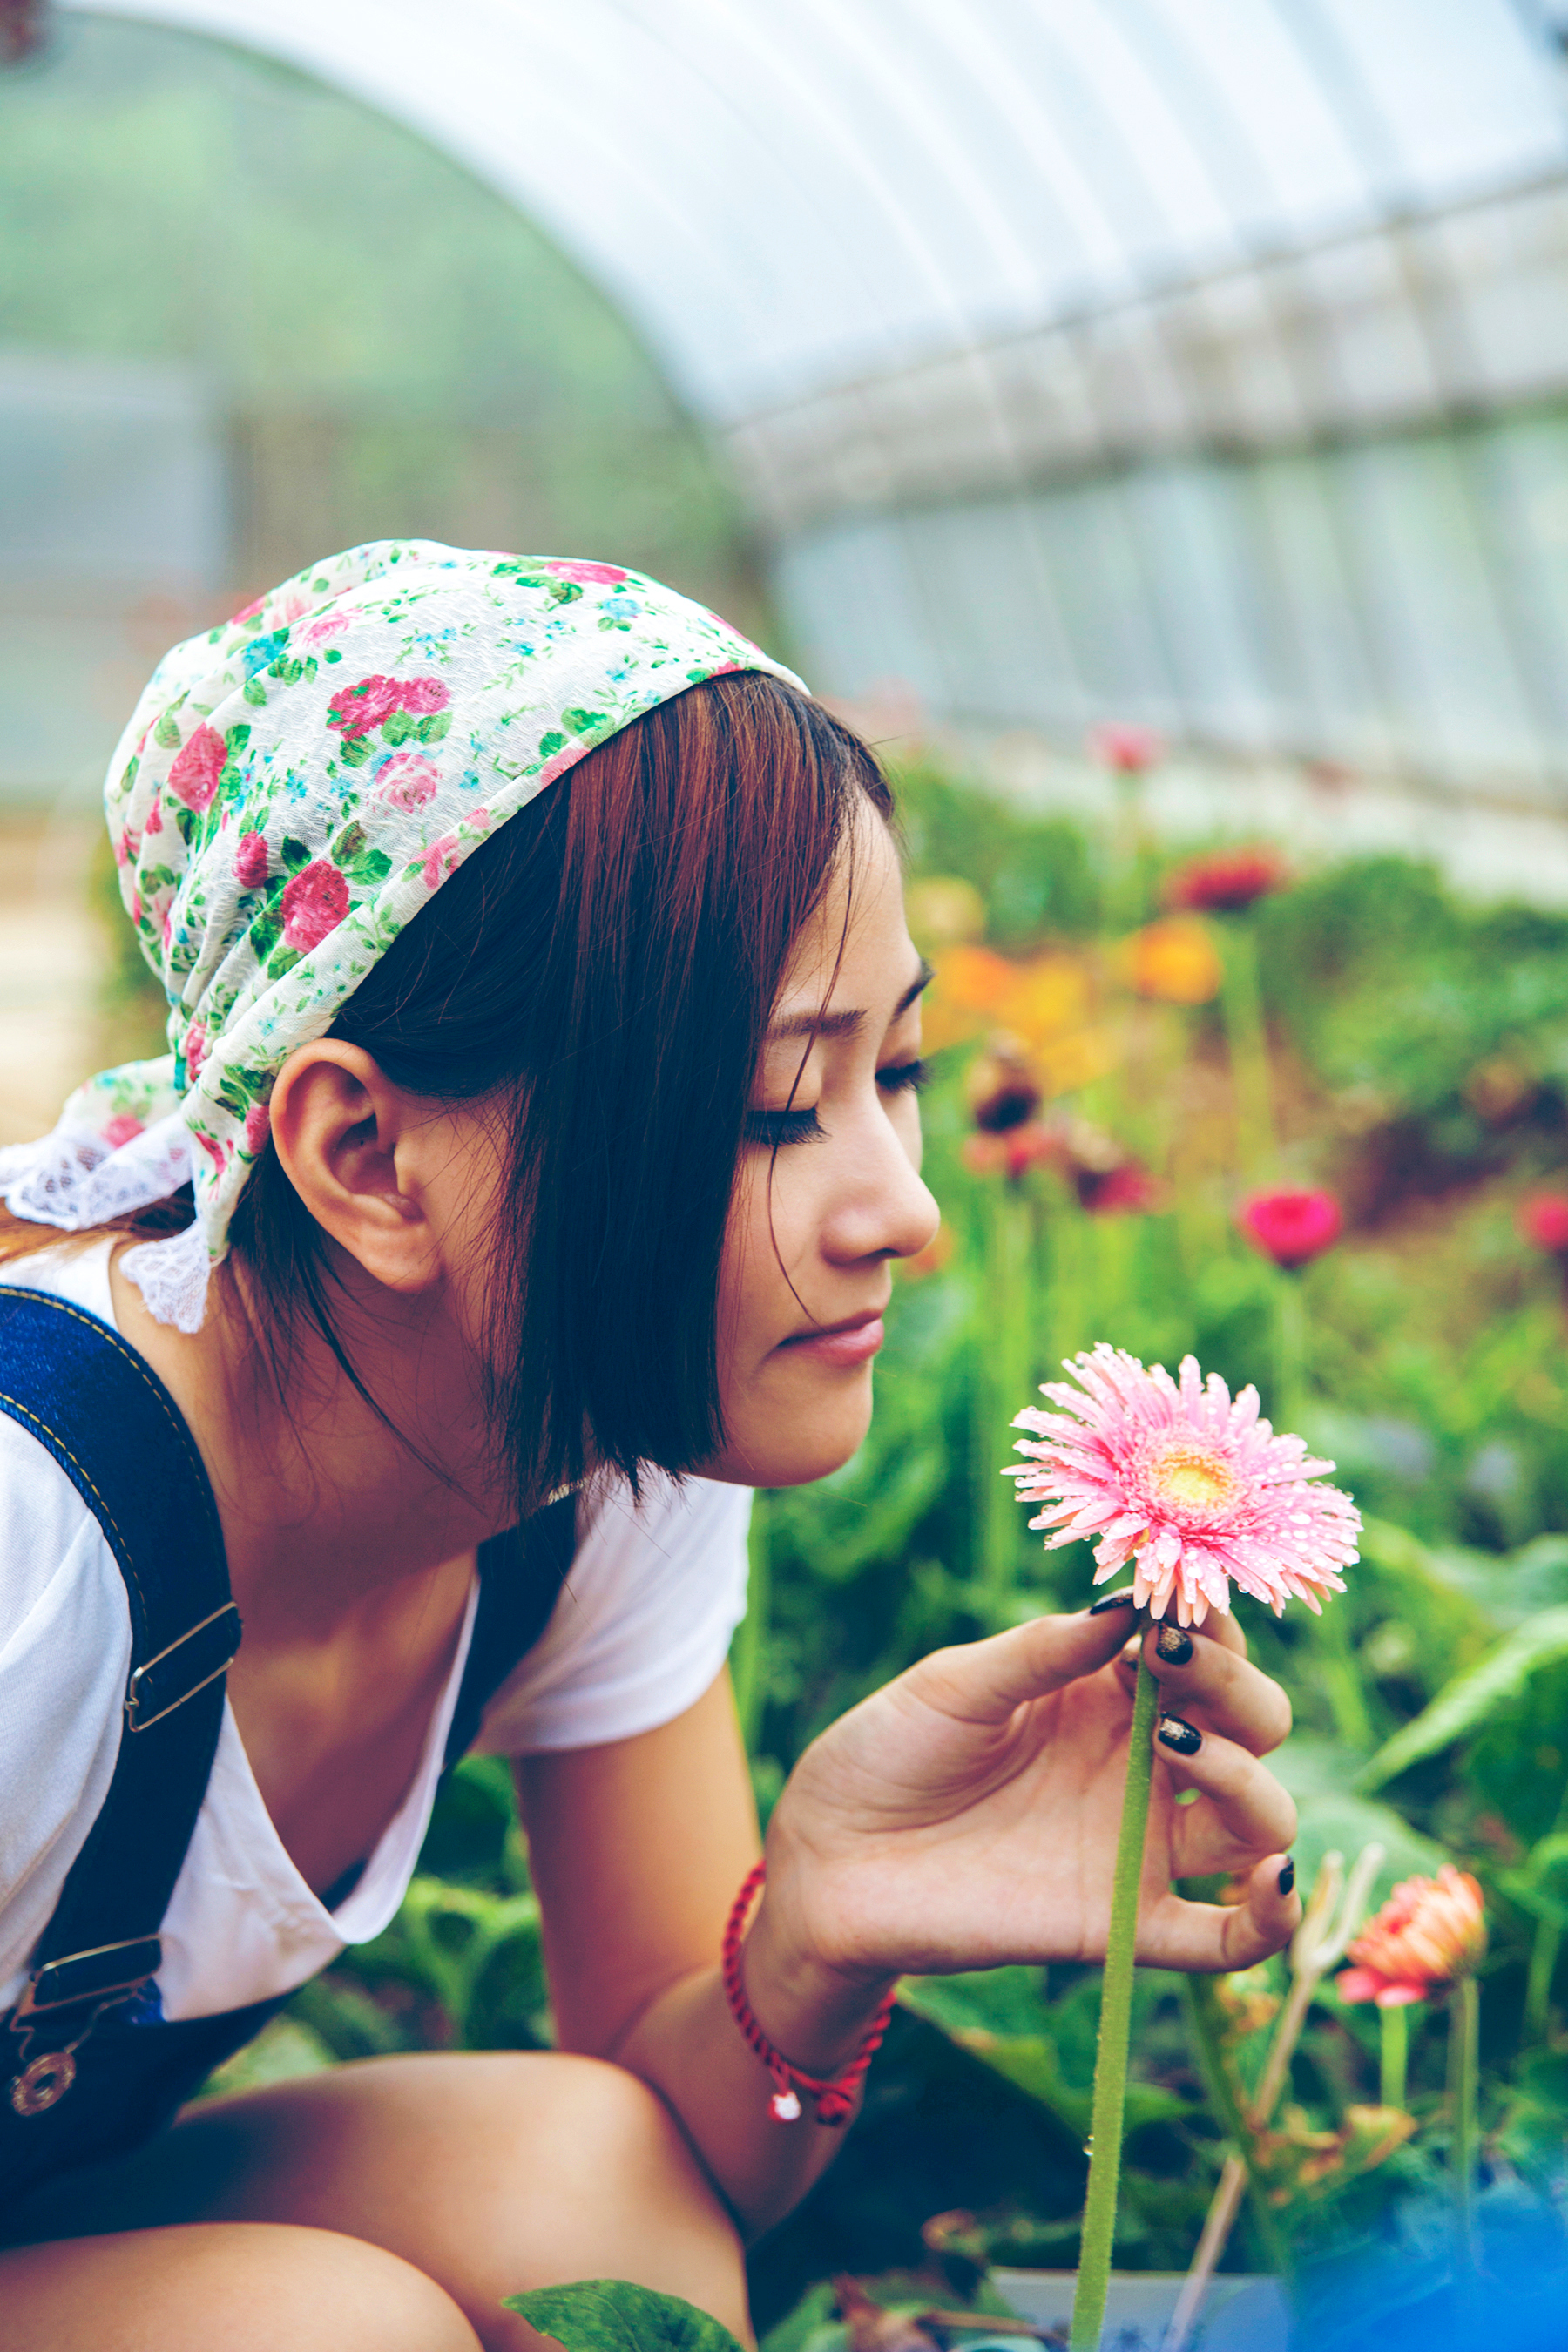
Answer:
(773, 1129)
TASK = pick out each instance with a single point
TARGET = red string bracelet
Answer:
(834, 2100)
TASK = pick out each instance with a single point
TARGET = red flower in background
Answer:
(1126, 751)
(1126, 1191)
(1008, 1151)
(314, 903)
(1226, 880)
(196, 768)
(1291, 1227)
(1542, 1221)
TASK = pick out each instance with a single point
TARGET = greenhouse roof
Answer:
(804, 193)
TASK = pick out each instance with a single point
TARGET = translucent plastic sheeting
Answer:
(785, 193)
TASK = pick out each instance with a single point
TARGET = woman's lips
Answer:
(843, 1345)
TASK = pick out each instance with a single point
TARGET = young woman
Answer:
(534, 1151)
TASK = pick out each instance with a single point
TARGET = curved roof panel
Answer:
(786, 194)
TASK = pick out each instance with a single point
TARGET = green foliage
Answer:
(611, 2315)
(1471, 1699)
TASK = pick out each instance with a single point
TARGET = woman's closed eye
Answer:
(772, 1130)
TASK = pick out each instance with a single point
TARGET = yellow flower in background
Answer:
(1044, 1008)
(1175, 961)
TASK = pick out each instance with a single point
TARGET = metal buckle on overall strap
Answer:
(93, 1980)
(157, 1688)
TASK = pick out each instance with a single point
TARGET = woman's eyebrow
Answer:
(843, 1024)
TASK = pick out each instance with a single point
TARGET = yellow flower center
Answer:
(1192, 1476)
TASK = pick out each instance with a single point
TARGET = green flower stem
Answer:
(1544, 1947)
(1241, 1001)
(1395, 2055)
(1115, 2028)
(1464, 2049)
(1289, 1349)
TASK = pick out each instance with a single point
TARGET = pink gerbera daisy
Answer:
(1196, 1489)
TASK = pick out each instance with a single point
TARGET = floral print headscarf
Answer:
(291, 790)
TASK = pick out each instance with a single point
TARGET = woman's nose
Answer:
(886, 1211)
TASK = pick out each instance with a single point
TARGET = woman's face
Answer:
(829, 1191)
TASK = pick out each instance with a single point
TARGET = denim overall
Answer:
(89, 2068)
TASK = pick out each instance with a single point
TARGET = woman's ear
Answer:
(350, 1142)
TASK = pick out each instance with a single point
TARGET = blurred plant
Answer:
(943, 910)
(1327, 1924)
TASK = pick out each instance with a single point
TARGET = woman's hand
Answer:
(967, 1814)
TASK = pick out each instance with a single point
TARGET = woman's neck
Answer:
(332, 1511)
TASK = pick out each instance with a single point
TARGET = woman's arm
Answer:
(964, 1817)
(637, 1851)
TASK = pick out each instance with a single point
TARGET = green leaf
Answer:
(347, 845)
(296, 857)
(254, 691)
(373, 867)
(551, 743)
(613, 2316)
(284, 960)
(167, 733)
(431, 729)
(1333, 1817)
(1472, 1697)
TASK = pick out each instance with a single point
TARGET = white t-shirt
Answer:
(640, 1630)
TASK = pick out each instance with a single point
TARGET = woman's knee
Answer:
(249, 2286)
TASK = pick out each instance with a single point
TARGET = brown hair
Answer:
(604, 968)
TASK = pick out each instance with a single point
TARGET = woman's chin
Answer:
(785, 1448)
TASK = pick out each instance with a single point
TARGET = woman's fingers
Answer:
(1204, 1937)
(1210, 1682)
(983, 1682)
(1241, 1811)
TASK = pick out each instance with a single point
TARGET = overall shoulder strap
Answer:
(119, 1436)
(521, 1576)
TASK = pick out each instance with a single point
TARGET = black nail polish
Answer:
(1185, 1738)
(1122, 1599)
(1288, 1876)
(1175, 1645)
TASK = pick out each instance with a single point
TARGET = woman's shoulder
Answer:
(644, 1622)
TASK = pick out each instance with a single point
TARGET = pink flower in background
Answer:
(218, 1154)
(1196, 1490)
(407, 781)
(258, 1128)
(571, 569)
(422, 696)
(1126, 751)
(126, 848)
(155, 818)
(314, 903)
(1430, 1931)
(250, 860)
(1291, 1227)
(196, 768)
(196, 1050)
(440, 859)
(121, 1128)
(1542, 1221)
